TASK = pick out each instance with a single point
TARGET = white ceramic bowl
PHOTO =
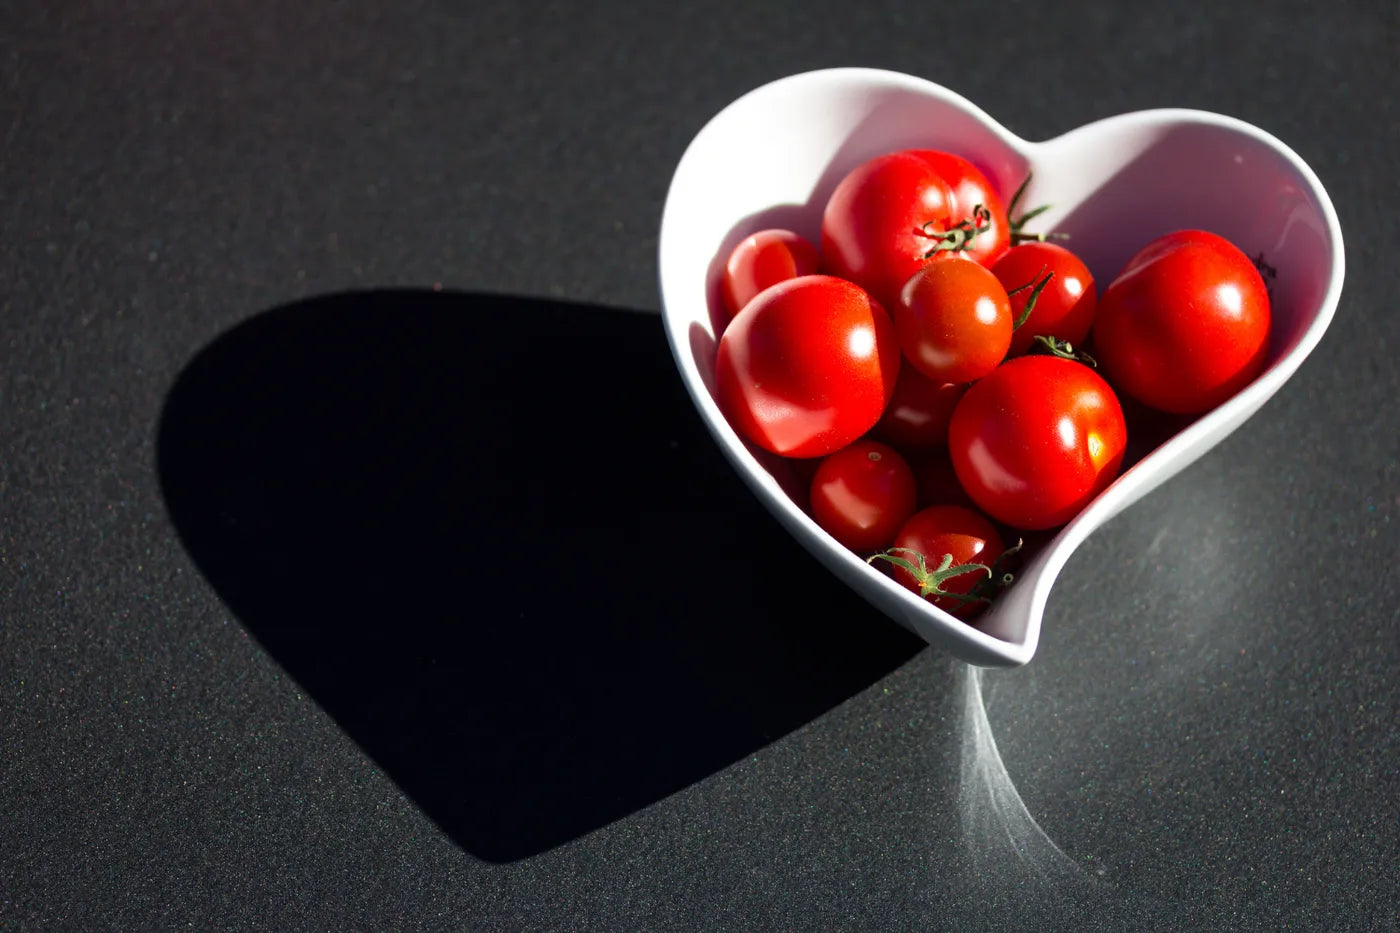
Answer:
(771, 158)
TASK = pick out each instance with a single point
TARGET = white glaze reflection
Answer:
(995, 824)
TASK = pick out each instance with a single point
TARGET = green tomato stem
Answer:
(1037, 285)
(1017, 224)
(931, 581)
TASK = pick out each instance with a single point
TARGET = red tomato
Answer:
(1065, 306)
(954, 321)
(917, 416)
(763, 259)
(1185, 325)
(807, 367)
(862, 495)
(948, 531)
(887, 216)
(1036, 440)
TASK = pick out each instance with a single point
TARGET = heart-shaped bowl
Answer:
(771, 159)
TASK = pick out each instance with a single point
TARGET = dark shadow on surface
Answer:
(491, 537)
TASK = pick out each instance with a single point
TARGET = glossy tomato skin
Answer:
(954, 321)
(760, 260)
(807, 366)
(862, 495)
(1036, 440)
(883, 218)
(916, 419)
(949, 529)
(1185, 325)
(1064, 308)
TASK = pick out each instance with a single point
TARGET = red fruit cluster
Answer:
(926, 352)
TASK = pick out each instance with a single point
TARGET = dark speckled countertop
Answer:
(363, 566)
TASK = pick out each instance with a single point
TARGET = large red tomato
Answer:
(1064, 307)
(1034, 441)
(807, 367)
(893, 213)
(1185, 325)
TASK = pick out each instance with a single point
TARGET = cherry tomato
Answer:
(948, 530)
(1185, 325)
(893, 213)
(807, 366)
(862, 495)
(917, 416)
(954, 321)
(1065, 306)
(1036, 440)
(763, 259)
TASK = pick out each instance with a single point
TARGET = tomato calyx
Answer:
(1054, 346)
(931, 581)
(1036, 285)
(1017, 224)
(958, 237)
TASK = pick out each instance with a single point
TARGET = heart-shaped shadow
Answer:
(490, 536)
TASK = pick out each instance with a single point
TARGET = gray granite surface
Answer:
(363, 566)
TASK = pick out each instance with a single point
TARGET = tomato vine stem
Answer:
(1018, 224)
(1037, 285)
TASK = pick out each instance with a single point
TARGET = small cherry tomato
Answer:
(807, 366)
(917, 416)
(892, 214)
(862, 495)
(1185, 325)
(946, 534)
(1064, 308)
(763, 259)
(1037, 439)
(954, 321)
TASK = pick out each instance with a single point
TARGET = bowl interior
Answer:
(773, 157)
